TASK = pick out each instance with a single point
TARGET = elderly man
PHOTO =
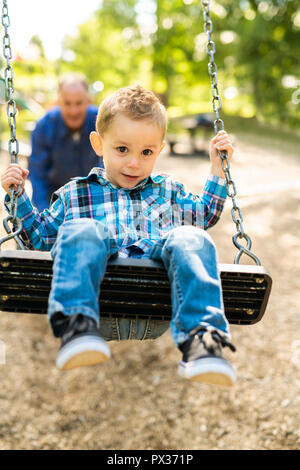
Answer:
(60, 142)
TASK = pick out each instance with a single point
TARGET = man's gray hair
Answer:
(73, 79)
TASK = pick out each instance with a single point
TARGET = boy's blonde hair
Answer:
(135, 102)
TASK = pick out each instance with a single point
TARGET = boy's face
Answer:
(129, 149)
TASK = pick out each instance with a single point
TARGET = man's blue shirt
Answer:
(59, 155)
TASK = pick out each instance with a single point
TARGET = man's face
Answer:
(73, 101)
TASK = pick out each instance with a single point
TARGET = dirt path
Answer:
(137, 400)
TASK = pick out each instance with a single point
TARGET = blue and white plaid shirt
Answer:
(135, 217)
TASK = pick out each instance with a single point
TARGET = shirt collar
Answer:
(99, 175)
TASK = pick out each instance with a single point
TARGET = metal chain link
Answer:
(236, 212)
(13, 144)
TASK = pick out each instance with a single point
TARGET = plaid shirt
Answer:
(136, 217)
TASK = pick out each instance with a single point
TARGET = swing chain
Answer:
(236, 212)
(13, 144)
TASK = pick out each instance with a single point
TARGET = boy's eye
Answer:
(122, 149)
(147, 152)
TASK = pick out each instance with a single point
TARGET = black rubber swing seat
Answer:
(131, 288)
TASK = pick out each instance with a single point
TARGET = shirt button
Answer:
(125, 212)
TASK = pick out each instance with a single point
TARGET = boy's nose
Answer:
(134, 162)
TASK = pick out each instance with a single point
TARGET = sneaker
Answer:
(81, 344)
(202, 359)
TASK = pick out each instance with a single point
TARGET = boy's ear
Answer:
(96, 143)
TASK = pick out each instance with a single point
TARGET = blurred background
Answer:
(161, 45)
(137, 400)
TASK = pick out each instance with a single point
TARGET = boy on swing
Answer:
(125, 210)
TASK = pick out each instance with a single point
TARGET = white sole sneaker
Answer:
(209, 370)
(82, 351)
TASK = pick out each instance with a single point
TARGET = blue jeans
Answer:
(80, 256)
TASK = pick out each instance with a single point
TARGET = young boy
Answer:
(125, 210)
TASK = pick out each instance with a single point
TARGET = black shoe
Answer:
(81, 344)
(202, 359)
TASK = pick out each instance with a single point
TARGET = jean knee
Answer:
(84, 228)
(188, 238)
(77, 231)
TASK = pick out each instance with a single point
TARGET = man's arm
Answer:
(39, 166)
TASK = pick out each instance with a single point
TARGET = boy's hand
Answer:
(16, 175)
(220, 142)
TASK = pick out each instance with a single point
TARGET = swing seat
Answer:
(131, 288)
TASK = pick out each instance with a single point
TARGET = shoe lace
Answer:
(77, 324)
(209, 335)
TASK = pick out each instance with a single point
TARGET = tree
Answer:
(265, 52)
(108, 46)
(176, 66)
(257, 50)
(36, 41)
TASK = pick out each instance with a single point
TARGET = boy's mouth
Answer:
(130, 177)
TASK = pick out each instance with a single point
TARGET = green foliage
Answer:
(162, 45)
(37, 42)
(257, 47)
(108, 47)
(175, 64)
(266, 51)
